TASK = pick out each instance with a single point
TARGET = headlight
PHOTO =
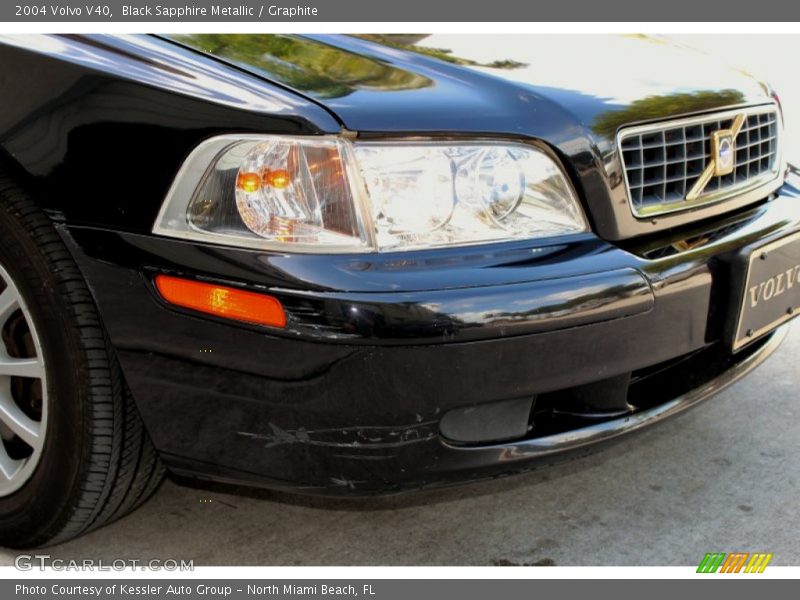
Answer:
(327, 194)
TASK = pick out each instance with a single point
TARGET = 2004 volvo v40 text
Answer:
(364, 264)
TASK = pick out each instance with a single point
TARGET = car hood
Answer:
(559, 88)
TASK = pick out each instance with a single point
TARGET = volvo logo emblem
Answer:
(722, 150)
(723, 157)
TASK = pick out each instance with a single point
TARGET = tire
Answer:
(95, 461)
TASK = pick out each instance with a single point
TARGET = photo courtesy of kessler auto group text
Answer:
(360, 299)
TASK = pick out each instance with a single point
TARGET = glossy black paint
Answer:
(110, 116)
(573, 93)
(379, 346)
(494, 292)
(361, 413)
(530, 85)
(96, 128)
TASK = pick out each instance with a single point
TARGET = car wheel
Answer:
(74, 454)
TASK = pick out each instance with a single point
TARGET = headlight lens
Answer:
(332, 195)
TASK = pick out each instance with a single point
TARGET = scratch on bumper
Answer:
(349, 437)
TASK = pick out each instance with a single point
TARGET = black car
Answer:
(368, 264)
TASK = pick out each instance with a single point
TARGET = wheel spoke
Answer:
(21, 367)
(9, 302)
(18, 422)
(8, 466)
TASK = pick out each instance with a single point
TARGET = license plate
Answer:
(770, 294)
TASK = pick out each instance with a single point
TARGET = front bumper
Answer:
(351, 397)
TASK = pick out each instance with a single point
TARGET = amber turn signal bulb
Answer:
(279, 178)
(248, 182)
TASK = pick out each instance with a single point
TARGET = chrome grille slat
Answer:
(662, 162)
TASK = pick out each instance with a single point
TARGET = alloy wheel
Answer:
(23, 390)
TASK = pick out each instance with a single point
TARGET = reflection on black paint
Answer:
(409, 42)
(657, 107)
(315, 68)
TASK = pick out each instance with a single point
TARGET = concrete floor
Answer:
(723, 477)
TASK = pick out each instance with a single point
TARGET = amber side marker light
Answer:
(221, 301)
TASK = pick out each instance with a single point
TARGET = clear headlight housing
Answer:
(329, 194)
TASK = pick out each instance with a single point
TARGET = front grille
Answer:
(664, 160)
